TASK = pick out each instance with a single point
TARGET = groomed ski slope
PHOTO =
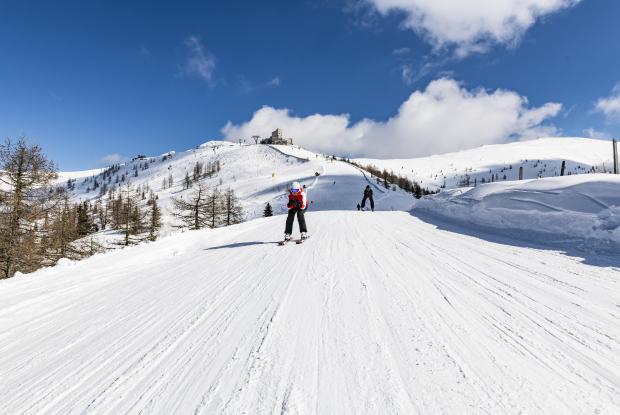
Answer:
(378, 313)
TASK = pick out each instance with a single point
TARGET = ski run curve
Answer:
(377, 313)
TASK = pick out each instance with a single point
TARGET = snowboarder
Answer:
(368, 195)
(297, 205)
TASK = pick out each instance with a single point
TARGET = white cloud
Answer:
(401, 51)
(592, 133)
(274, 82)
(246, 86)
(406, 73)
(444, 117)
(610, 106)
(470, 25)
(200, 62)
(113, 159)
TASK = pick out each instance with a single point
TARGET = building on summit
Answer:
(277, 137)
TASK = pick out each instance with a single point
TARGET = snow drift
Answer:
(582, 208)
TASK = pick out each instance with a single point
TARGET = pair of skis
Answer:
(297, 241)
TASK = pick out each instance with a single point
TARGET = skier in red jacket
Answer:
(297, 204)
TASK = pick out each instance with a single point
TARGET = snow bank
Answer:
(583, 207)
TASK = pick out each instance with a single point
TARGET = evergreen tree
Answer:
(101, 213)
(154, 219)
(62, 231)
(136, 219)
(268, 211)
(417, 191)
(198, 168)
(127, 216)
(84, 222)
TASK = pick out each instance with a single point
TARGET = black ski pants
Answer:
(291, 218)
(372, 202)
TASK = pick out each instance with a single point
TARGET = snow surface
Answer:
(539, 158)
(66, 175)
(582, 209)
(376, 313)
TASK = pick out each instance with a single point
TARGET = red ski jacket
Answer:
(297, 200)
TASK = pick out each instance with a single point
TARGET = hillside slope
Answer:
(258, 174)
(376, 313)
(539, 158)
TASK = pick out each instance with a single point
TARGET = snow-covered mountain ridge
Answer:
(261, 174)
(258, 174)
(500, 162)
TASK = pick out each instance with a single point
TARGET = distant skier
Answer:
(297, 205)
(368, 195)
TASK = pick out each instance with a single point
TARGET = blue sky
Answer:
(92, 79)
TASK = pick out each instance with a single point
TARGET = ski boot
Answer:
(301, 240)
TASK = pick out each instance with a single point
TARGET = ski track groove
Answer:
(425, 321)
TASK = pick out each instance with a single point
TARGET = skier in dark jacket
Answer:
(297, 205)
(368, 195)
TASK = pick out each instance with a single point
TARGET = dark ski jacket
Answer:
(368, 192)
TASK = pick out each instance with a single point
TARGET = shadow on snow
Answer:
(591, 252)
(240, 245)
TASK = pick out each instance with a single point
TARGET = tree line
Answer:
(388, 178)
(39, 223)
(207, 208)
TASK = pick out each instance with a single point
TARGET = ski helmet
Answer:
(296, 186)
